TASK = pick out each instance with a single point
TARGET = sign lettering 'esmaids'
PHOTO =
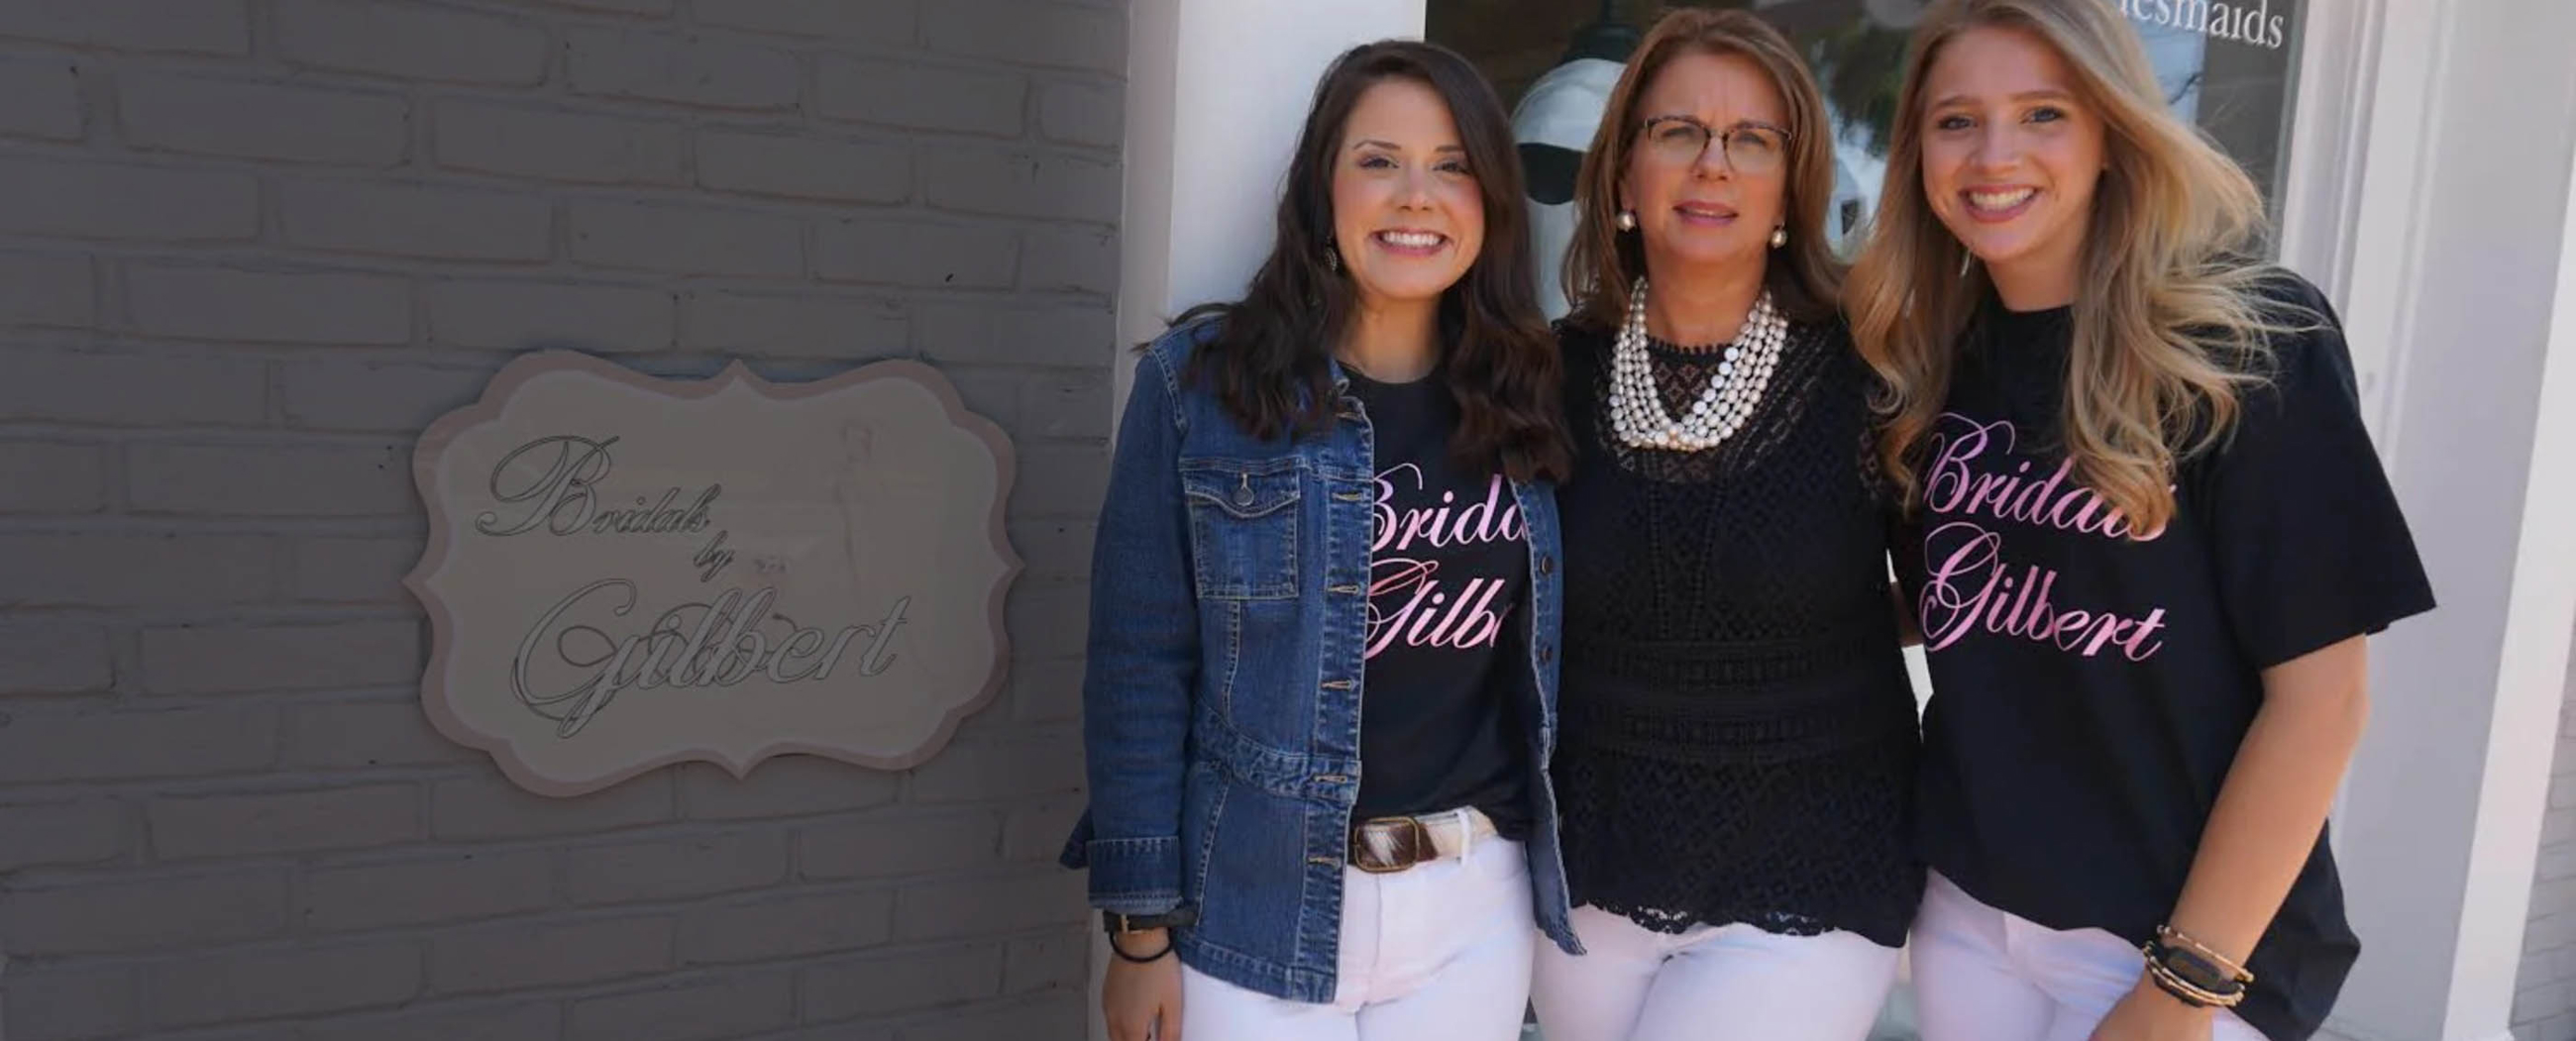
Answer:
(625, 572)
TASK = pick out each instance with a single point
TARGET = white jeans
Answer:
(1725, 983)
(1438, 951)
(1983, 974)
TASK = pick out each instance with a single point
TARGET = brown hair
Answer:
(1267, 361)
(1805, 279)
(2170, 322)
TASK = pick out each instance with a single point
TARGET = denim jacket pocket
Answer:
(1243, 526)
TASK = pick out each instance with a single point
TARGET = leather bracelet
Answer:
(2183, 991)
(1168, 945)
(1175, 918)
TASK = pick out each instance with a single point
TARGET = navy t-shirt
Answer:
(2092, 685)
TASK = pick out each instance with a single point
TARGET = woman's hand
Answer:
(2150, 1014)
(1142, 1000)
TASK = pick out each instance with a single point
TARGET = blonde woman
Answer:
(1739, 735)
(2149, 539)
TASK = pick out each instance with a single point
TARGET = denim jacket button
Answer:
(1243, 493)
(1546, 655)
(1546, 564)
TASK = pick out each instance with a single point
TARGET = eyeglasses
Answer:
(1749, 147)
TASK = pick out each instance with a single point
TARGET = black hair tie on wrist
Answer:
(1122, 954)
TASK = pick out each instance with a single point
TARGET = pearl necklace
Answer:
(1743, 372)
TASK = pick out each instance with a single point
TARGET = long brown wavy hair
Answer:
(1602, 262)
(2170, 325)
(1269, 360)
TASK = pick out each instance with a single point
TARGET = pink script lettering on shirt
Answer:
(1409, 599)
(1968, 582)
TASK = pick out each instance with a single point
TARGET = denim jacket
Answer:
(1222, 695)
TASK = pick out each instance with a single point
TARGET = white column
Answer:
(2459, 287)
(1217, 92)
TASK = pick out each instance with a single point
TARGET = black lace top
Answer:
(1739, 738)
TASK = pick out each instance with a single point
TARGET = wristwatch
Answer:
(1117, 923)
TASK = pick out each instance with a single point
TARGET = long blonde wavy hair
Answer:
(2170, 326)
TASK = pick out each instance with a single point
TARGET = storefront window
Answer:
(2230, 67)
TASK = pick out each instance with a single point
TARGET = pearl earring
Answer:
(1332, 258)
(1779, 237)
(1627, 220)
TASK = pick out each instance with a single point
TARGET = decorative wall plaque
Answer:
(625, 572)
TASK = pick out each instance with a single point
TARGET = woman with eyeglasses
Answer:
(1738, 728)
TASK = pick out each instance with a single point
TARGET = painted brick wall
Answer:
(2544, 1004)
(248, 248)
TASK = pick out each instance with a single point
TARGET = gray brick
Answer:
(634, 7)
(1080, 114)
(103, 201)
(79, 1004)
(303, 981)
(2549, 931)
(686, 69)
(1067, 404)
(804, 326)
(42, 290)
(137, 389)
(892, 843)
(884, 22)
(696, 1011)
(1021, 184)
(670, 869)
(991, 393)
(895, 983)
(523, 315)
(409, 220)
(2558, 862)
(440, 888)
(1036, 832)
(53, 658)
(1054, 549)
(1041, 762)
(215, 659)
(687, 240)
(1052, 1017)
(444, 887)
(272, 480)
(139, 914)
(63, 833)
(353, 570)
(489, 807)
(548, 954)
(212, 303)
(827, 169)
(2562, 793)
(916, 253)
(983, 907)
(920, 97)
(411, 41)
(1028, 33)
(282, 822)
(557, 145)
(1058, 962)
(40, 98)
(784, 927)
(532, 1021)
(1045, 691)
(835, 1032)
(190, 26)
(104, 569)
(1059, 482)
(1060, 259)
(99, 746)
(209, 116)
(1048, 619)
(375, 396)
(1074, 335)
(787, 786)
